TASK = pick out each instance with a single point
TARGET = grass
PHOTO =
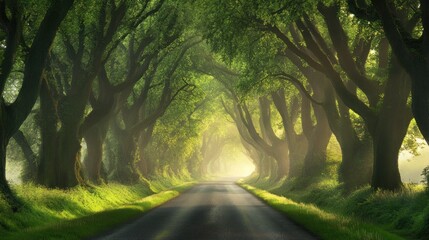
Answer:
(81, 212)
(324, 224)
(404, 213)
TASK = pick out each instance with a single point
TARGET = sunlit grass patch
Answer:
(81, 211)
(91, 225)
(323, 224)
(160, 183)
(266, 182)
(405, 212)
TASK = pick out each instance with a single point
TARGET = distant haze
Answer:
(411, 166)
(234, 164)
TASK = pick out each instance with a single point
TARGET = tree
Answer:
(147, 107)
(116, 81)
(80, 58)
(31, 158)
(14, 114)
(406, 29)
(339, 69)
(60, 151)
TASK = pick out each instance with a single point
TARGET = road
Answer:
(211, 210)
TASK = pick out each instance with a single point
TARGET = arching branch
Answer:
(298, 84)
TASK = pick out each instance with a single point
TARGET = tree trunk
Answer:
(356, 165)
(194, 165)
(315, 159)
(144, 163)
(414, 58)
(18, 111)
(256, 156)
(126, 171)
(340, 126)
(7, 193)
(317, 138)
(420, 100)
(392, 125)
(93, 162)
(69, 158)
(297, 150)
(265, 166)
(356, 154)
(60, 165)
(387, 144)
(281, 156)
(46, 173)
(30, 168)
(297, 143)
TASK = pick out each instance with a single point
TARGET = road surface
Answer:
(212, 210)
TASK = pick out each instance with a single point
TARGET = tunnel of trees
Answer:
(105, 91)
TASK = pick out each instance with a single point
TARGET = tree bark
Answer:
(7, 193)
(318, 136)
(281, 156)
(13, 115)
(413, 57)
(344, 132)
(125, 169)
(315, 158)
(46, 173)
(30, 169)
(297, 143)
(255, 155)
(94, 138)
(144, 164)
(60, 165)
(279, 147)
(356, 158)
(392, 125)
(356, 165)
(69, 157)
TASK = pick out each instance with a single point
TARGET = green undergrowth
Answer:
(322, 223)
(405, 213)
(82, 212)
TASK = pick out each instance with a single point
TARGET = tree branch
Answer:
(350, 99)
(340, 42)
(298, 84)
(396, 40)
(313, 63)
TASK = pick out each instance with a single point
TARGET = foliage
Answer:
(413, 141)
(152, 77)
(425, 174)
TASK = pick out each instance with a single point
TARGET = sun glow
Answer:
(235, 164)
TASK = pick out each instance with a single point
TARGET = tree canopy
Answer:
(125, 91)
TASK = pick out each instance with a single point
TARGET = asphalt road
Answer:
(212, 210)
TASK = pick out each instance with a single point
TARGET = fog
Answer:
(232, 163)
(411, 166)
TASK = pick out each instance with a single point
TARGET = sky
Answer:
(411, 166)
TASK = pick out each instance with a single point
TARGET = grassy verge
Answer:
(323, 224)
(80, 212)
(405, 213)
